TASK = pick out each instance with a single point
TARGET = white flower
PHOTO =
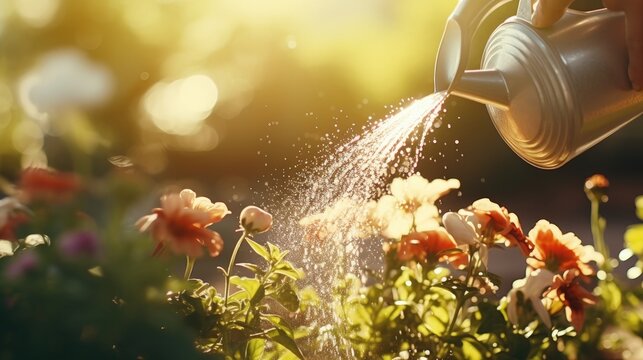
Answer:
(463, 226)
(532, 288)
(34, 240)
(255, 220)
(410, 207)
(7, 248)
(64, 79)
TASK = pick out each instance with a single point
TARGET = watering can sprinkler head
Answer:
(551, 93)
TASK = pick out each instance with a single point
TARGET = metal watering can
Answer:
(551, 93)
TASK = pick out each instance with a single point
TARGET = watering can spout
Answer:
(453, 54)
(484, 86)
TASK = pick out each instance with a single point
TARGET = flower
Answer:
(558, 252)
(426, 245)
(573, 296)
(34, 240)
(47, 185)
(7, 247)
(410, 206)
(596, 188)
(532, 288)
(483, 224)
(503, 224)
(12, 214)
(181, 224)
(79, 243)
(21, 265)
(255, 220)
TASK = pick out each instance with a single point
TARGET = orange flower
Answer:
(420, 246)
(573, 296)
(558, 252)
(596, 188)
(181, 224)
(47, 184)
(501, 223)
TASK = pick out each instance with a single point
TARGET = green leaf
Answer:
(611, 294)
(252, 267)
(470, 351)
(440, 313)
(492, 319)
(291, 273)
(287, 297)
(388, 314)
(434, 325)
(278, 322)
(282, 338)
(639, 207)
(634, 239)
(275, 254)
(255, 349)
(250, 286)
(259, 249)
(357, 314)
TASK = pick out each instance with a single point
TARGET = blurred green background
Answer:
(226, 96)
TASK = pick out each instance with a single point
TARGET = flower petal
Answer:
(462, 230)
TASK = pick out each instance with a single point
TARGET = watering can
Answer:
(551, 93)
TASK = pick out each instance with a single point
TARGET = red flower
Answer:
(420, 246)
(12, 215)
(501, 223)
(181, 224)
(47, 184)
(558, 252)
(573, 296)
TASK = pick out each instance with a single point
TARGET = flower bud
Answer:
(255, 220)
(596, 188)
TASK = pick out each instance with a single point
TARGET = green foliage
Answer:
(93, 293)
(251, 324)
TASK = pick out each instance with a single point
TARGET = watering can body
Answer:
(551, 93)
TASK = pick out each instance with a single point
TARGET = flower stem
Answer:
(473, 264)
(189, 265)
(598, 235)
(230, 265)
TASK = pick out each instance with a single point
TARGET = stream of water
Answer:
(353, 173)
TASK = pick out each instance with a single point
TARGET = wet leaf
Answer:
(492, 319)
(282, 338)
(290, 273)
(259, 249)
(255, 349)
(287, 297)
(252, 267)
(634, 239)
(250, 287)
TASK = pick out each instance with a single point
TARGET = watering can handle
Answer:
(453, 53)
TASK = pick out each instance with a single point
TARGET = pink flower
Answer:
(573, 296)
(79, 244)
(558, 252)
(181, 224)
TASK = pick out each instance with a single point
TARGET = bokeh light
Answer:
(180, 107)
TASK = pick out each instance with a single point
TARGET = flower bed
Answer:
(77, 282)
